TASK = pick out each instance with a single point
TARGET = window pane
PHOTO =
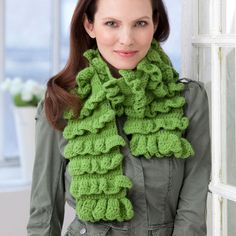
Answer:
(202, 66)
(228, 16)
(203, 17)
(202, 70)
(228, 115)
(205, 72)
(173, 45)
(67, 8)
(228, 217)
(27, 51)
(231, 218)
(28, 39)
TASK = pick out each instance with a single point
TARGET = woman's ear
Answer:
(88, 26)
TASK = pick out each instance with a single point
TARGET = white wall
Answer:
(14, 213)
(14, 209)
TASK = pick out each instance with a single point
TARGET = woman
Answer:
(119, 136)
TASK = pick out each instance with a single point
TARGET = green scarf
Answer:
(150, 97)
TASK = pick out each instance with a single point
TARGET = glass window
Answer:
(27, 52)
(231, 229)
(203, 17)
(28, 39)
(67, 9)
(228, 115)
(173, 45)
(228, 217)
(228, 17)
(202, 69)
(202, 66)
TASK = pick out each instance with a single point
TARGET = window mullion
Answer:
(224, 190)
(2, 73)
(217, 202)
(222, 40)
(56, 35)
(215, 17)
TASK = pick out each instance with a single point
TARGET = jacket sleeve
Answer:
(47, 192)
(190, 219)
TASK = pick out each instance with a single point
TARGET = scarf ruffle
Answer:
(151, 98)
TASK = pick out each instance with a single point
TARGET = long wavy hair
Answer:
(58, 96)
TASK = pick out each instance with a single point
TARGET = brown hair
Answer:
(57, 97)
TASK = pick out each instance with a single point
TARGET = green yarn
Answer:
(150, 97)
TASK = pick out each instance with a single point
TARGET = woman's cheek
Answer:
(107, 38)
(145, 38)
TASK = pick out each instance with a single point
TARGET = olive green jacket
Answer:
(168, 194)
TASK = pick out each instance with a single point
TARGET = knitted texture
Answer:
(150, 97)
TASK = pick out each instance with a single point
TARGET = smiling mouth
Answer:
(125, 53)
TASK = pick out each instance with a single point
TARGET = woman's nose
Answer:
(126, 37)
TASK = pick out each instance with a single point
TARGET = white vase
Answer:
(25, 131)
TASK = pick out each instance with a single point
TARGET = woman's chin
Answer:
(125, 67)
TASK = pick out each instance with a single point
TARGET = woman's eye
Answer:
(141, 23)
(111, 24)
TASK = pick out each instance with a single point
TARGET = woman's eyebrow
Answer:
(116, 18)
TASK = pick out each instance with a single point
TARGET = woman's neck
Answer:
(114, 71)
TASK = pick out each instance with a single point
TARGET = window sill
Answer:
(11, 179)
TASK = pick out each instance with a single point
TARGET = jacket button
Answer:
(83, 231)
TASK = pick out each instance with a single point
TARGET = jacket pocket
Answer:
(163, 230)
(117, 229)
(158, 180)
(81, 228)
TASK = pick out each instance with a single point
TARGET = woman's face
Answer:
(123, 30)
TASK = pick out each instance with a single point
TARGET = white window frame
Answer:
(214, 40)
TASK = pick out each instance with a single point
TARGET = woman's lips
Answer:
(123, 53)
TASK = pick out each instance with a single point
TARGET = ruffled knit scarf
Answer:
(150, 97)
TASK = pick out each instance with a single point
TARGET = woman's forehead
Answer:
(124, 8)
